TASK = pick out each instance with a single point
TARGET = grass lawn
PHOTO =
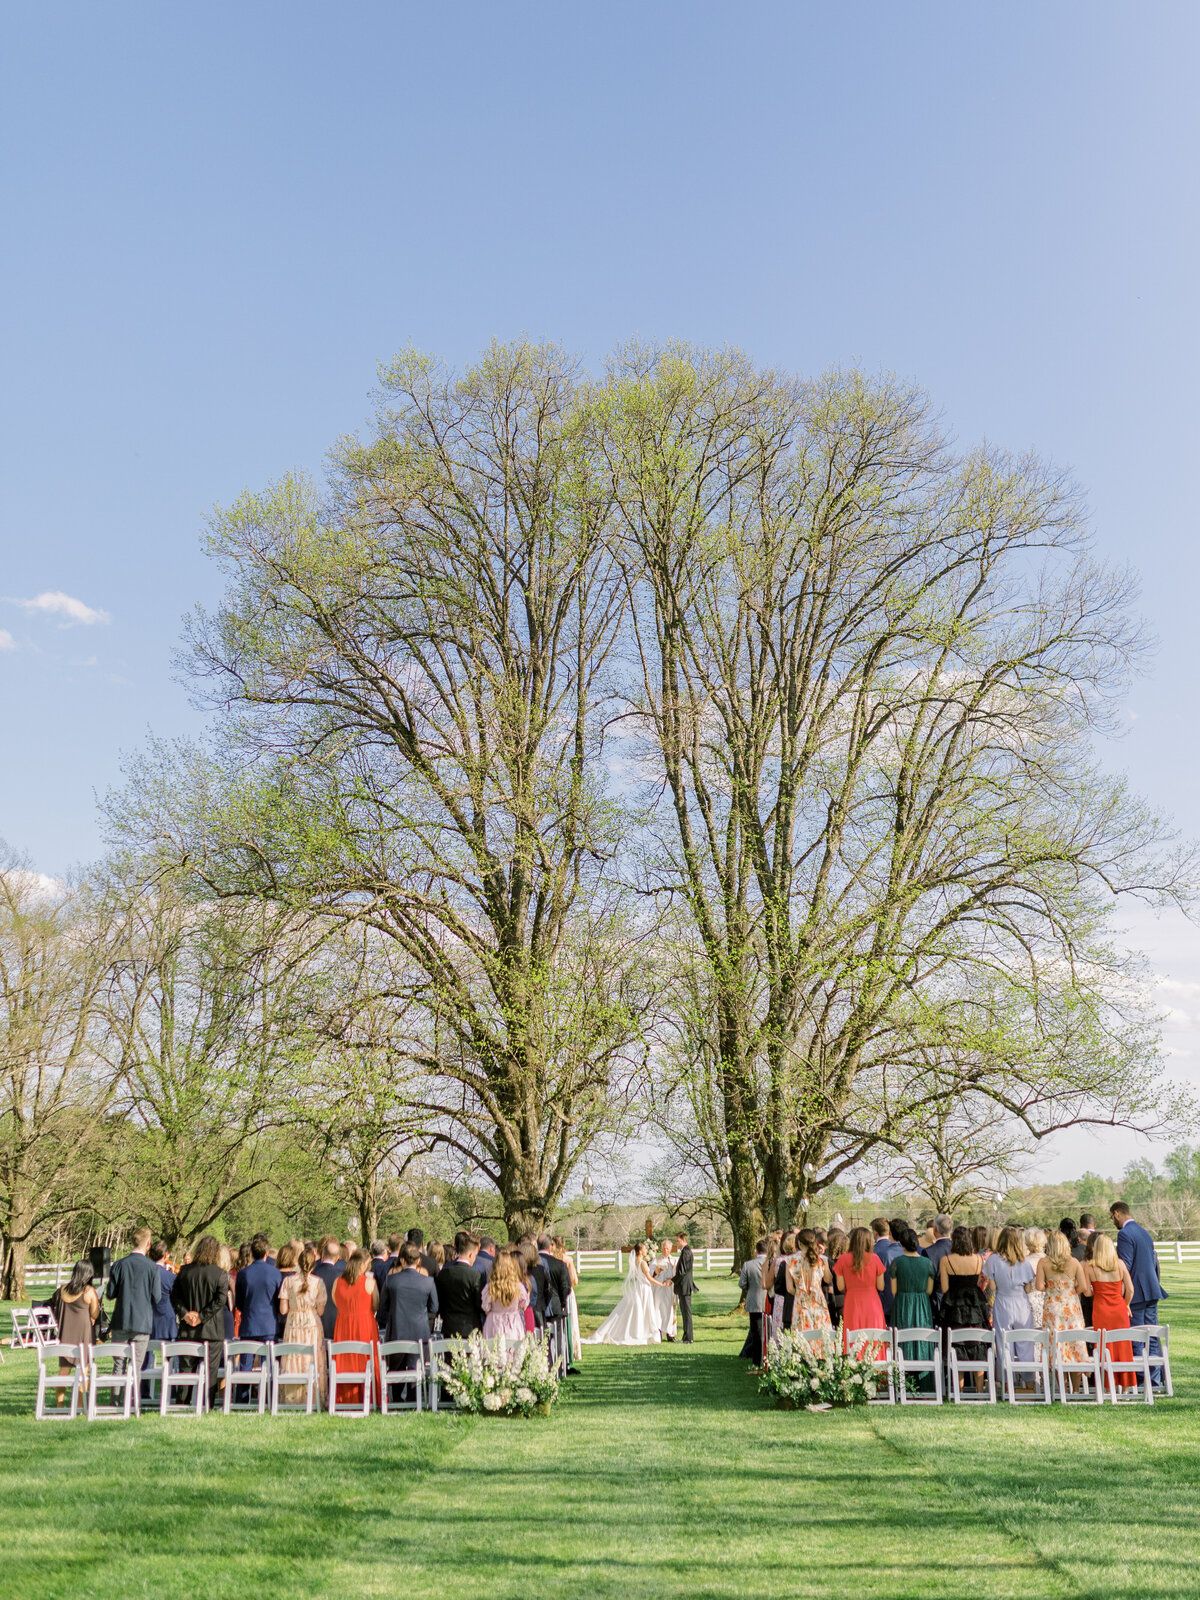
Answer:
(663, 1472)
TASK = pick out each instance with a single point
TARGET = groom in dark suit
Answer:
(682, 1280)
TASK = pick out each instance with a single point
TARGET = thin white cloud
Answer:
(55, 603)
(7, 642)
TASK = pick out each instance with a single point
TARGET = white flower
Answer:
(491, 1402)
(858, 1378)
(814, 1384)
(525, 1396)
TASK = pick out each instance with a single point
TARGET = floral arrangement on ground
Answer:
(818, 1374)
(487, 1378)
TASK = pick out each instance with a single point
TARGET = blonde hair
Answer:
(1058, 1254)
(1011, 1245)
(504, 1284)
(225, 1258)
(1035, 1240)
(1104, 1254)
(356, 1266)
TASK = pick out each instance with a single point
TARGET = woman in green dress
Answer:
(912, 1289)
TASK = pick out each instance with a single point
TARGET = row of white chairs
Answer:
(179, 1380)
(1053, 1362)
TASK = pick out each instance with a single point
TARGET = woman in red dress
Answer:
(1112, 1294)
(859, 1275)
(355, 1294)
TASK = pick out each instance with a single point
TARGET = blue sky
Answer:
(220, 218)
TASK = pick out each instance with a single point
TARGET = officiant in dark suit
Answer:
(684, 1286)
(460, 1290)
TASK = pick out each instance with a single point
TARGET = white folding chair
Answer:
(344, 1380)
(152, 1374)
(440, 1353)
(960, 1366)
(1037, 1368)
(1142, 1390)
(73, 1383)
(882, 1357)
(121, 1387)
(256, 1379)
(1067, 1363)
(193, 1384)
(822, 1336)
(24, 1334)
(1162, 1332)
(45, 1324)
(303, 1377)
(915, 1365)
(402, 1377)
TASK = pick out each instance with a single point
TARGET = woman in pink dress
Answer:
(505, 1299)
(859, 1276)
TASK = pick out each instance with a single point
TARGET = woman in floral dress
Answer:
(1061, 1280)
(806, 1280)
(301, 1302)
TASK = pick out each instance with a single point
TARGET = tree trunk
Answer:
(13, 1287)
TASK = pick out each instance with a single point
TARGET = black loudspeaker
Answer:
(101, 1259)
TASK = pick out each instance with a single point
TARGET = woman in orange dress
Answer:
(859, 1275)
(1112, 1294)
(356, 1295)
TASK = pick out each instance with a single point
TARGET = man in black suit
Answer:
(684, 1285)
(560, 1284)
(329, 1269)
(460, 1290)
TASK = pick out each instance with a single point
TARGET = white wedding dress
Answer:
(635, 1319)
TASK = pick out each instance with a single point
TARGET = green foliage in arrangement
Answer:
(487, 1379)
(808, 1374)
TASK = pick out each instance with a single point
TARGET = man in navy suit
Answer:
(1135, 1248)
(256, 1296)
(486, 1259)
(329, 1269)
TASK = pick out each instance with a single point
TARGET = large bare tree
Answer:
(410, 670)
(868, 669)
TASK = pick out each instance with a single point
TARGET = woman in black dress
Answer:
(964, 1304)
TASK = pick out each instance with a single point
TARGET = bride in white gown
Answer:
(635, 1317)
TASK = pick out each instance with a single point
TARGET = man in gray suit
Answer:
(751, 1286)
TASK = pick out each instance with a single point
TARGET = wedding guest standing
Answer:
(836, 1245)
(302, 1302)
(460, 1290)
(1010, 1273)
(79, 1307)
(1061, 1281)
(781, 1296)
(886, 1249)
(859, 1274)
(807, 1277)
(356, 1297)
(486, 1259)
(963, 1301)
(750, 1285)
(412, 1298)
(136, 1287)
(564, 1255)
(285, 1261)
(166, 1325)
(504, 1300)
(201, 1299)
(328, 1269)
(1035, 1246)
(1112, 1294)
(1135, 1249)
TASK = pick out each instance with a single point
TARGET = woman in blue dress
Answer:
(1011, 1274)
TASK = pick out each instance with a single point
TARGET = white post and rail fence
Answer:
(43, 1277)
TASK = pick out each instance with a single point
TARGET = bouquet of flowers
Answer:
(807, 1373)
(487, 1378)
